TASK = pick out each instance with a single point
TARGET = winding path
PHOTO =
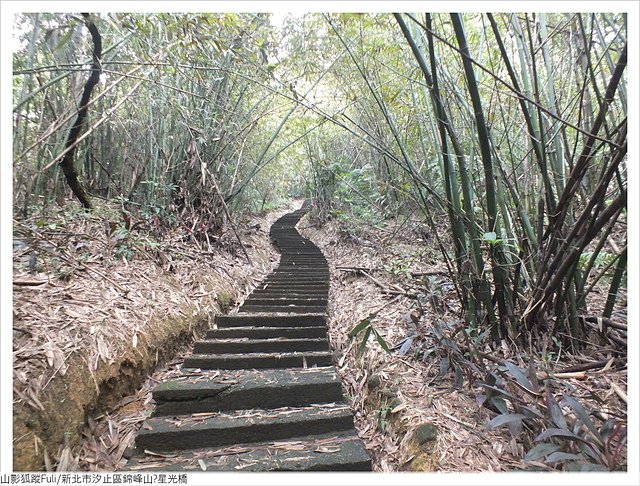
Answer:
(260, 393)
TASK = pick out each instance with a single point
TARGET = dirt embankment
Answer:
(97, 307)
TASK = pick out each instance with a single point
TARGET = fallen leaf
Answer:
(158, 454)
(328, 449)
(400, 407)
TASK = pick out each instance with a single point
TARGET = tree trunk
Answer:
(67, 162)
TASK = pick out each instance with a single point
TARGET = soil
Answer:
(70, 398)
(73, 369)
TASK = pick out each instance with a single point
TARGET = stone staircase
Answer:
(260, 393)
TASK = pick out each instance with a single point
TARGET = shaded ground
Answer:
(420, 407)
(423, 406)
(97, 307)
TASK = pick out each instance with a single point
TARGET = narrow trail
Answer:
(260, 393)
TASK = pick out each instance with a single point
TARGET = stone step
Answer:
(236, 320)
(303, 251)
(301, 276)
(289, 255)
(297, 272)
(289, 243)
(272, 345)
(285, 309)
(319, 267)
(277, 300)
(300, 291)
(220, 428)
(280, 296)
(328, 452)
(299, 256)
(303, 359)
(302, 271)
(302, 267)
(261, 392)
(286, 255)
(304, 285)
(214, 391)
(299, 261)
(286, 292)
(267, 332)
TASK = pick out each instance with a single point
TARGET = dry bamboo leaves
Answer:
(408, 390)
(83, 301)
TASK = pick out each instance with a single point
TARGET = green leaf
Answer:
(560, 456)
(359, 327)
(585, 467)
(519, 375)
(365, 338)
(490, 236)
(362, 325)
(503, 419)
(564, 434)
(554, 410)
(459, 378)
(500, 404)
(541, 450)
(532, 412)
(583, 415)
(513, 398)
(444, 366)
(533, 378)
(64, 39)
(380, 340)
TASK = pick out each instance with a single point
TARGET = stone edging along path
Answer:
(260, 393)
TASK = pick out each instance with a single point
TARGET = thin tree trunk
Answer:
(67, 162)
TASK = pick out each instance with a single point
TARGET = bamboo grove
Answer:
(506, 133)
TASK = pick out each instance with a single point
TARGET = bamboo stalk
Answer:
(621, 268)
(501, 292)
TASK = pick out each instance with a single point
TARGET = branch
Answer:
(66, 164)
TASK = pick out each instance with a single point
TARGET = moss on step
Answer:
(422, 447)
(420, 442)
(226, 301)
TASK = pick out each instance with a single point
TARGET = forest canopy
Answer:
(511, 126)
